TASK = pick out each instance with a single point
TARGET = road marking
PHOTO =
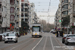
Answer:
(37, 44)
(19, 45)
(45, 44)
(51, 42)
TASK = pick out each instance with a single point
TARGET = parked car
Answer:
(2, 36)
(53, 31)
(70, 39)
(11, 37)
(16, 33)
(5, 33)
(64, 37)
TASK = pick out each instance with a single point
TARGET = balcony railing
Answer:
(64, 15)
(64, 9)
(63, 3)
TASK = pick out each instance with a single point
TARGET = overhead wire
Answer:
(49, 10)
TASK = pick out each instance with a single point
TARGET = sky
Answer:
(42, 6)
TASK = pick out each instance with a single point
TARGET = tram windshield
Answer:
(36, 29)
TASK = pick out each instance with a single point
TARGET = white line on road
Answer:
(37, 44)
(45, 44)
(51, 42)
(19, 45)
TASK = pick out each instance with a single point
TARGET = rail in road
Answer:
(47, 42)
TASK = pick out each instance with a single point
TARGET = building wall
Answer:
(67, 8)
(24, 11)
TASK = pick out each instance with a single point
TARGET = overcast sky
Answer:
(41, 8)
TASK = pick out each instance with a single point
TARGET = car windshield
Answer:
(1, 34)
(36, 29)
(10, 34)
(71, 36)
(65, 35)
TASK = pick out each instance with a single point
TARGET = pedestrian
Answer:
(56, 33)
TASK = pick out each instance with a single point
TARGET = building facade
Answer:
(67, 9)
(9, 15)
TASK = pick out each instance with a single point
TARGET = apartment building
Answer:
(58, 18)
(13, 14)
(33, 16)
(24, 11)
(0, 15)
(9, 15)
(68, 9)
(32, 12)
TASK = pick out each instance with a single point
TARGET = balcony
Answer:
(17, 20)
(17, 12)
(64, 15)
(26, 17)
(64, 3)
(25, 7)
(26, 20)
(64, 9)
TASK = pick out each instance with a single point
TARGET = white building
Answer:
(9, 13)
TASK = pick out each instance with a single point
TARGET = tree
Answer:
(65, 21)
(46, 26)
(24, 25)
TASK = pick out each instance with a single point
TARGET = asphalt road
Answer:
(47, 42)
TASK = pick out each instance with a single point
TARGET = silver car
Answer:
(70, 39)
(64, 37)
(11, 37)
(4, 34)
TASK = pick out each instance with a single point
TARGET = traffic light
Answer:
(59, 20)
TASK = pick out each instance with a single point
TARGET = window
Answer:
(22, 19)
(65, 1)
(12, 2)
(65, 13)
(21, 9)
(18, 2)
(18, 9)
(17, 15)
(11, 17)
(0, 5)
(12, 10)
(65, 6)
(16, 22)
(0, 16)
(22, 15)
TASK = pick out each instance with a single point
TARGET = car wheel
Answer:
(67, 43)
(63, 41)
(16, 41)
(5, 42)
